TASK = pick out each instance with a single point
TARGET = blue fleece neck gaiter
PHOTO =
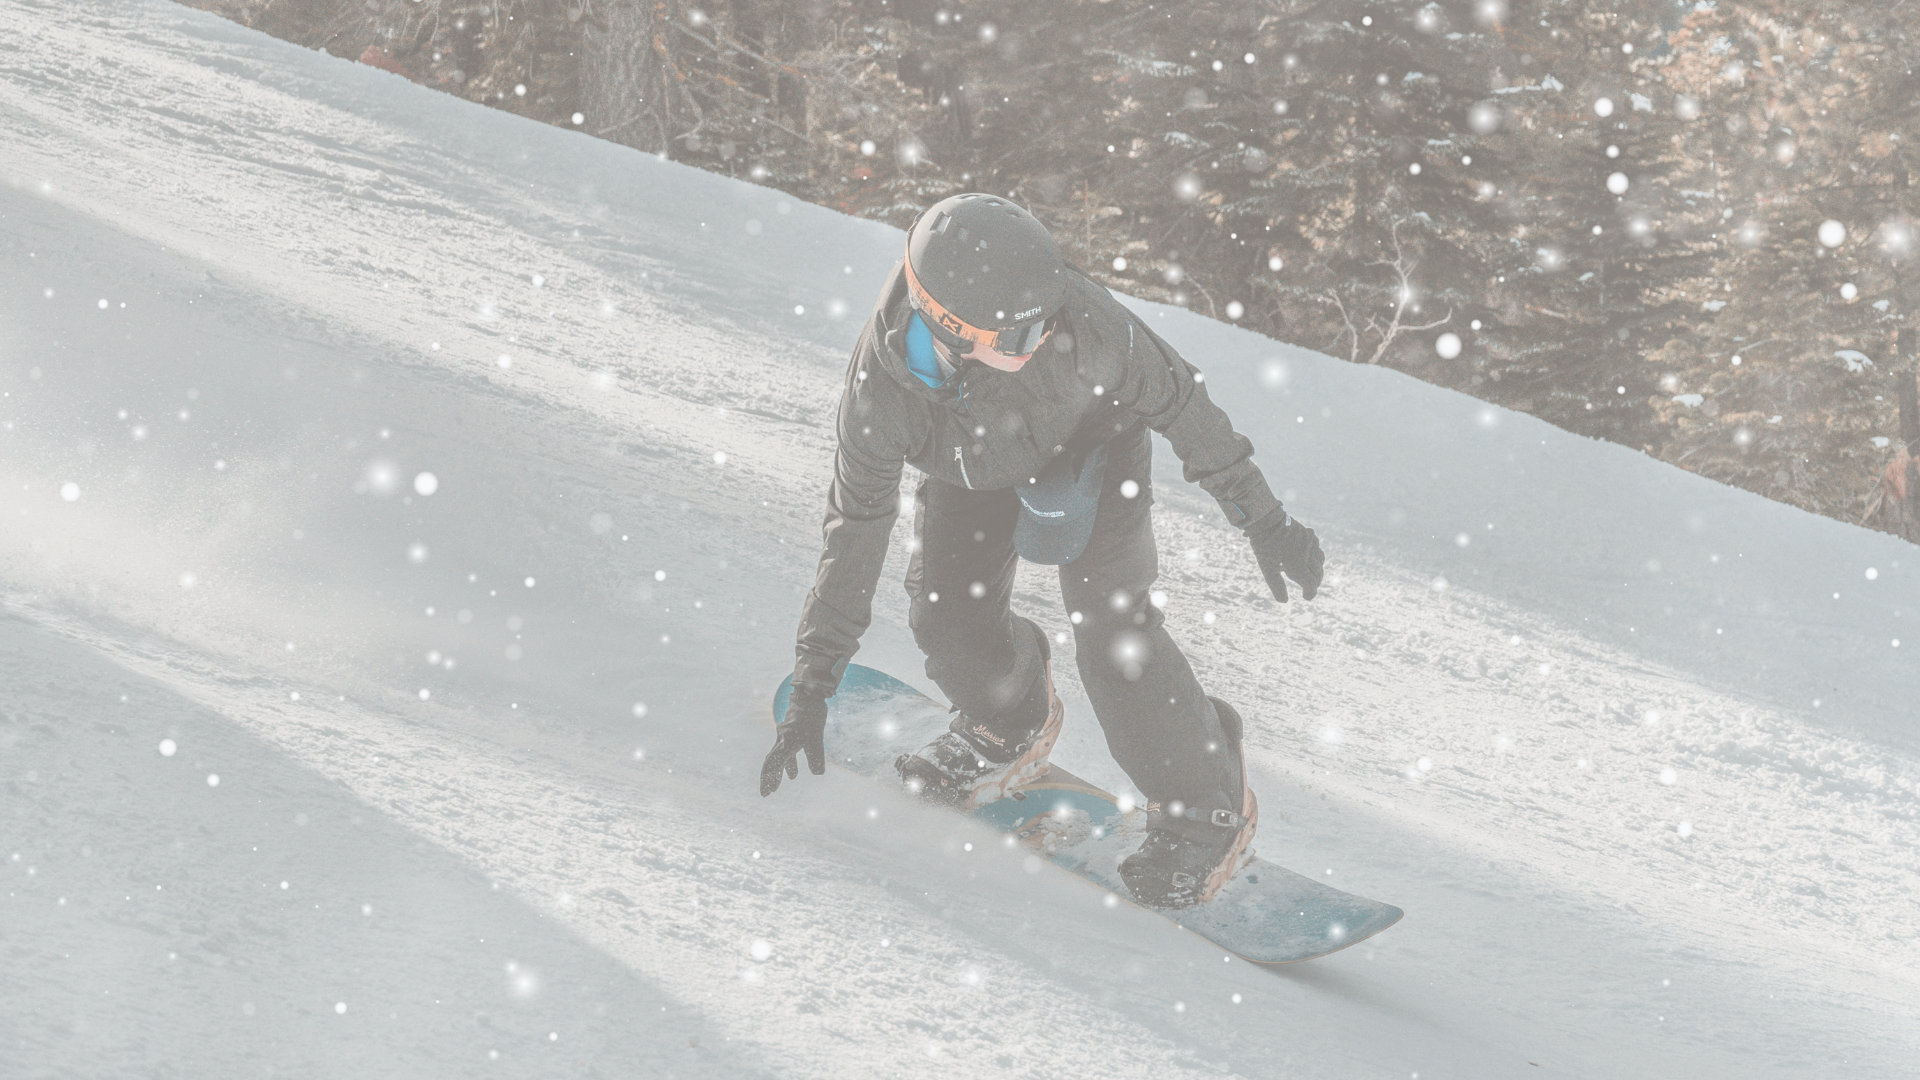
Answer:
(921, 358)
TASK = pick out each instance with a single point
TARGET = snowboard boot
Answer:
(1181, 867)
(972, 764)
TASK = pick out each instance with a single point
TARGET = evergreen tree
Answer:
(1787, 374)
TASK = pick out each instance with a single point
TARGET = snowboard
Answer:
(1266, 915)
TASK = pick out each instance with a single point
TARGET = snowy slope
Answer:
(1647, 789)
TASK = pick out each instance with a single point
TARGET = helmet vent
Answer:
(988, 264)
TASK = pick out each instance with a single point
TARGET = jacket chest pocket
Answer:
(989, 449)
(959, 460)
(969, 443)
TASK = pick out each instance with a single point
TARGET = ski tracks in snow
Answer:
(646, 873)
(1447, 703)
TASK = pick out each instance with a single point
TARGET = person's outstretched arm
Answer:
(862, 503)
(1159, 386)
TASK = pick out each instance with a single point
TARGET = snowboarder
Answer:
(1024, 392)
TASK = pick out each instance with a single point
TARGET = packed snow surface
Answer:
(406, 512)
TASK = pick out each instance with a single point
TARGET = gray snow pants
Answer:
(1159, 725)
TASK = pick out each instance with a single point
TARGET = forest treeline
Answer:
(1685, 226)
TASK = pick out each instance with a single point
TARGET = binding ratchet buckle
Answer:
(1226, 819)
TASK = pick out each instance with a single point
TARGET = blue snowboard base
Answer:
(1267, 914)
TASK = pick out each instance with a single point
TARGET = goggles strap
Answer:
(953, 330)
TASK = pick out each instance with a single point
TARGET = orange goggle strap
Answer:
(955, 325)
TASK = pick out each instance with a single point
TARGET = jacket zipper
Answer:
(960, 452)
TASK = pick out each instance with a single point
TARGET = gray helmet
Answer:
(981, 269)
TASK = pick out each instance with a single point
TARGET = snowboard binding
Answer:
(1179, 866)
(970, 765)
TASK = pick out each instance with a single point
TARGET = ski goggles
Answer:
(960, 335)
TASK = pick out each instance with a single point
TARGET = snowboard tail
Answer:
(1267, 914)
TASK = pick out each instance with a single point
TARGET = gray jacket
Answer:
(1099, 373)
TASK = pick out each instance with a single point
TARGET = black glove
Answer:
(1281, 543)
(804, 728)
